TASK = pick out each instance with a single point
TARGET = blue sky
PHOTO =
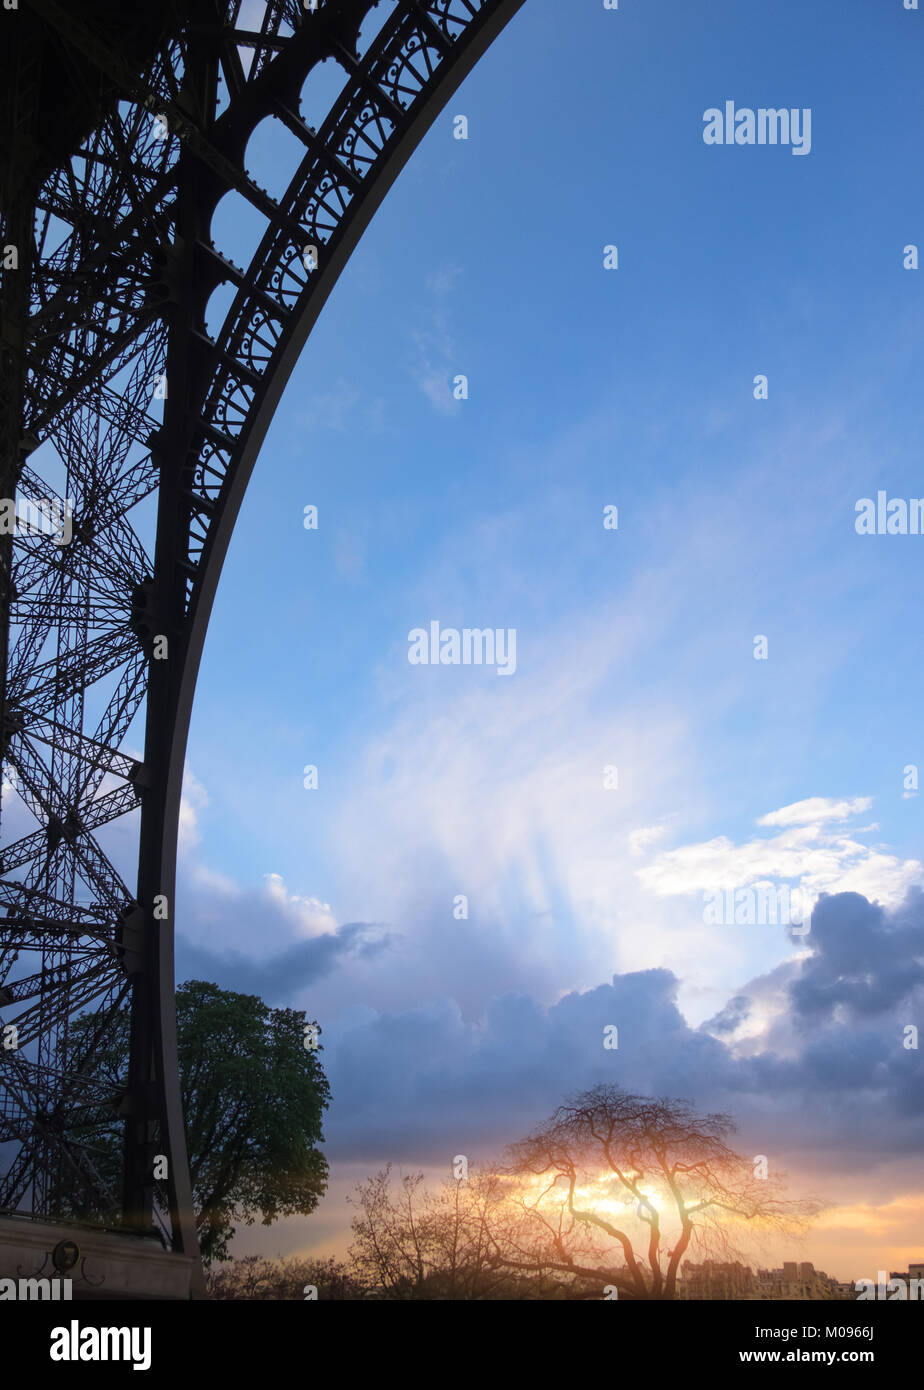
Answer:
(591, 387)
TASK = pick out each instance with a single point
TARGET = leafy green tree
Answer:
(253, 1100)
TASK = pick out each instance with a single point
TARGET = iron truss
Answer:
(128, 435)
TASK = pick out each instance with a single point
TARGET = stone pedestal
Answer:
(99, 1264)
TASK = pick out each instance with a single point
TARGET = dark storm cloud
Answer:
(727, 1020)
(275, 978)
(424, 1084)
(865, 960)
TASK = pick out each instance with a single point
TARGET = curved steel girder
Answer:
(412, 17)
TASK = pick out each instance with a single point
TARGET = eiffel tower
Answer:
(128, 434)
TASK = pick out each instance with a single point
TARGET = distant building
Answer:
(798, 1281)
(713, 1279)
(912, 1278)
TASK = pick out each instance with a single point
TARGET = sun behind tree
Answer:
(608, 1164)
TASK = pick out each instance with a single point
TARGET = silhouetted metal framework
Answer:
(125, 125)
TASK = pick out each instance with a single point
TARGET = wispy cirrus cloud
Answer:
(436, 351)
(436, 364)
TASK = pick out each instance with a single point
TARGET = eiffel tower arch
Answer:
(128, 434)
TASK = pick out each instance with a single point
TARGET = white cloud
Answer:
(193, 801)
(309, 916)
(816, 809)
(228, 913)
(641, 839)
(806, 850)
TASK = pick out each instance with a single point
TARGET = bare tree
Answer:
(617, 1177)
(410, 1242)
(254, 1277)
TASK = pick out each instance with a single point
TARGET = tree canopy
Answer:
(253, 1100)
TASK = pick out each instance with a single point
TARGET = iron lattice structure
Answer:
(126, 424)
